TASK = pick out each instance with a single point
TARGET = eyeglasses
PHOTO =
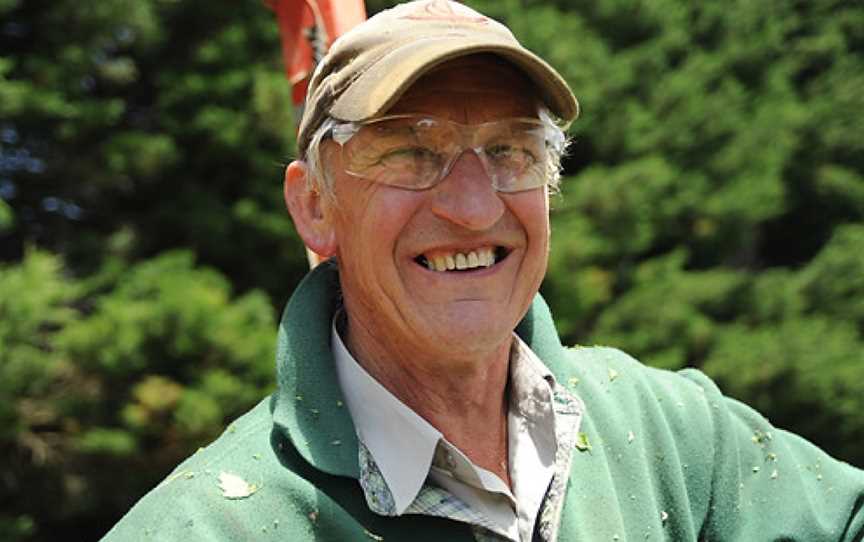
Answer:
(417, 152)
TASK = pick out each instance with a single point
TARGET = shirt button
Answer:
(448, 458)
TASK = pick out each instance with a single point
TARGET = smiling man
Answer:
(423, 392)
(438, 218)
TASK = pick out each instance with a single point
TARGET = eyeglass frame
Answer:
(556, 144)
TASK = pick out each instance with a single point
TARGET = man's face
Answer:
(384, 233)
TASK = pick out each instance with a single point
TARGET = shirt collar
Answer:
(378, 415)
(405, 461)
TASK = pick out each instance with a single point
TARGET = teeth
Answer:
(481, 257)
(461, 261)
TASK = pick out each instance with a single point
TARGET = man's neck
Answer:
(465, 401)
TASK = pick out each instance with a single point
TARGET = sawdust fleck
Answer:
(582, 443)
(372, 535)
(234, 487)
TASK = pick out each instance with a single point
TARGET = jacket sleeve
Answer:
(769, 484)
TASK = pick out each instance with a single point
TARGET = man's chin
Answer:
(473, 328)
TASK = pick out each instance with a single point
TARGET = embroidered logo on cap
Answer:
(442, 10)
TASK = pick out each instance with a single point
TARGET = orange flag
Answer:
(308, 28)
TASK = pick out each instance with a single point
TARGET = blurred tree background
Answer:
(712, 216)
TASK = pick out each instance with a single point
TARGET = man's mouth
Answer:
(477, 258)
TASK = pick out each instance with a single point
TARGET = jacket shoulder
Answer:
(236, 488)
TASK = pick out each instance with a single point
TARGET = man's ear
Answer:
(308, 210)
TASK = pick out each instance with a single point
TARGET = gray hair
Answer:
(320, 178)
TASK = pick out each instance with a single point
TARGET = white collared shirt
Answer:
(407, 449)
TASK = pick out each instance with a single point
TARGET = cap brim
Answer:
(379, 87)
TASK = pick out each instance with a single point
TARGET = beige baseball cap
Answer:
(368, 68)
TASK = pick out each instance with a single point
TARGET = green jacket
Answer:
(665, 456)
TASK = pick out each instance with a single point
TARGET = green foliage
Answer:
(833, 283)
(168, 119)
(139, 365)
(33, 299)
(669, 314)
(712, 215)
(7, 218)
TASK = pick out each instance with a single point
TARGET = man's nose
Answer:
(466, 197)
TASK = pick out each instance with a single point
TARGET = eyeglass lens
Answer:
(417, 152)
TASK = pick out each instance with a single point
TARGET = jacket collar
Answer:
(308, 406)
